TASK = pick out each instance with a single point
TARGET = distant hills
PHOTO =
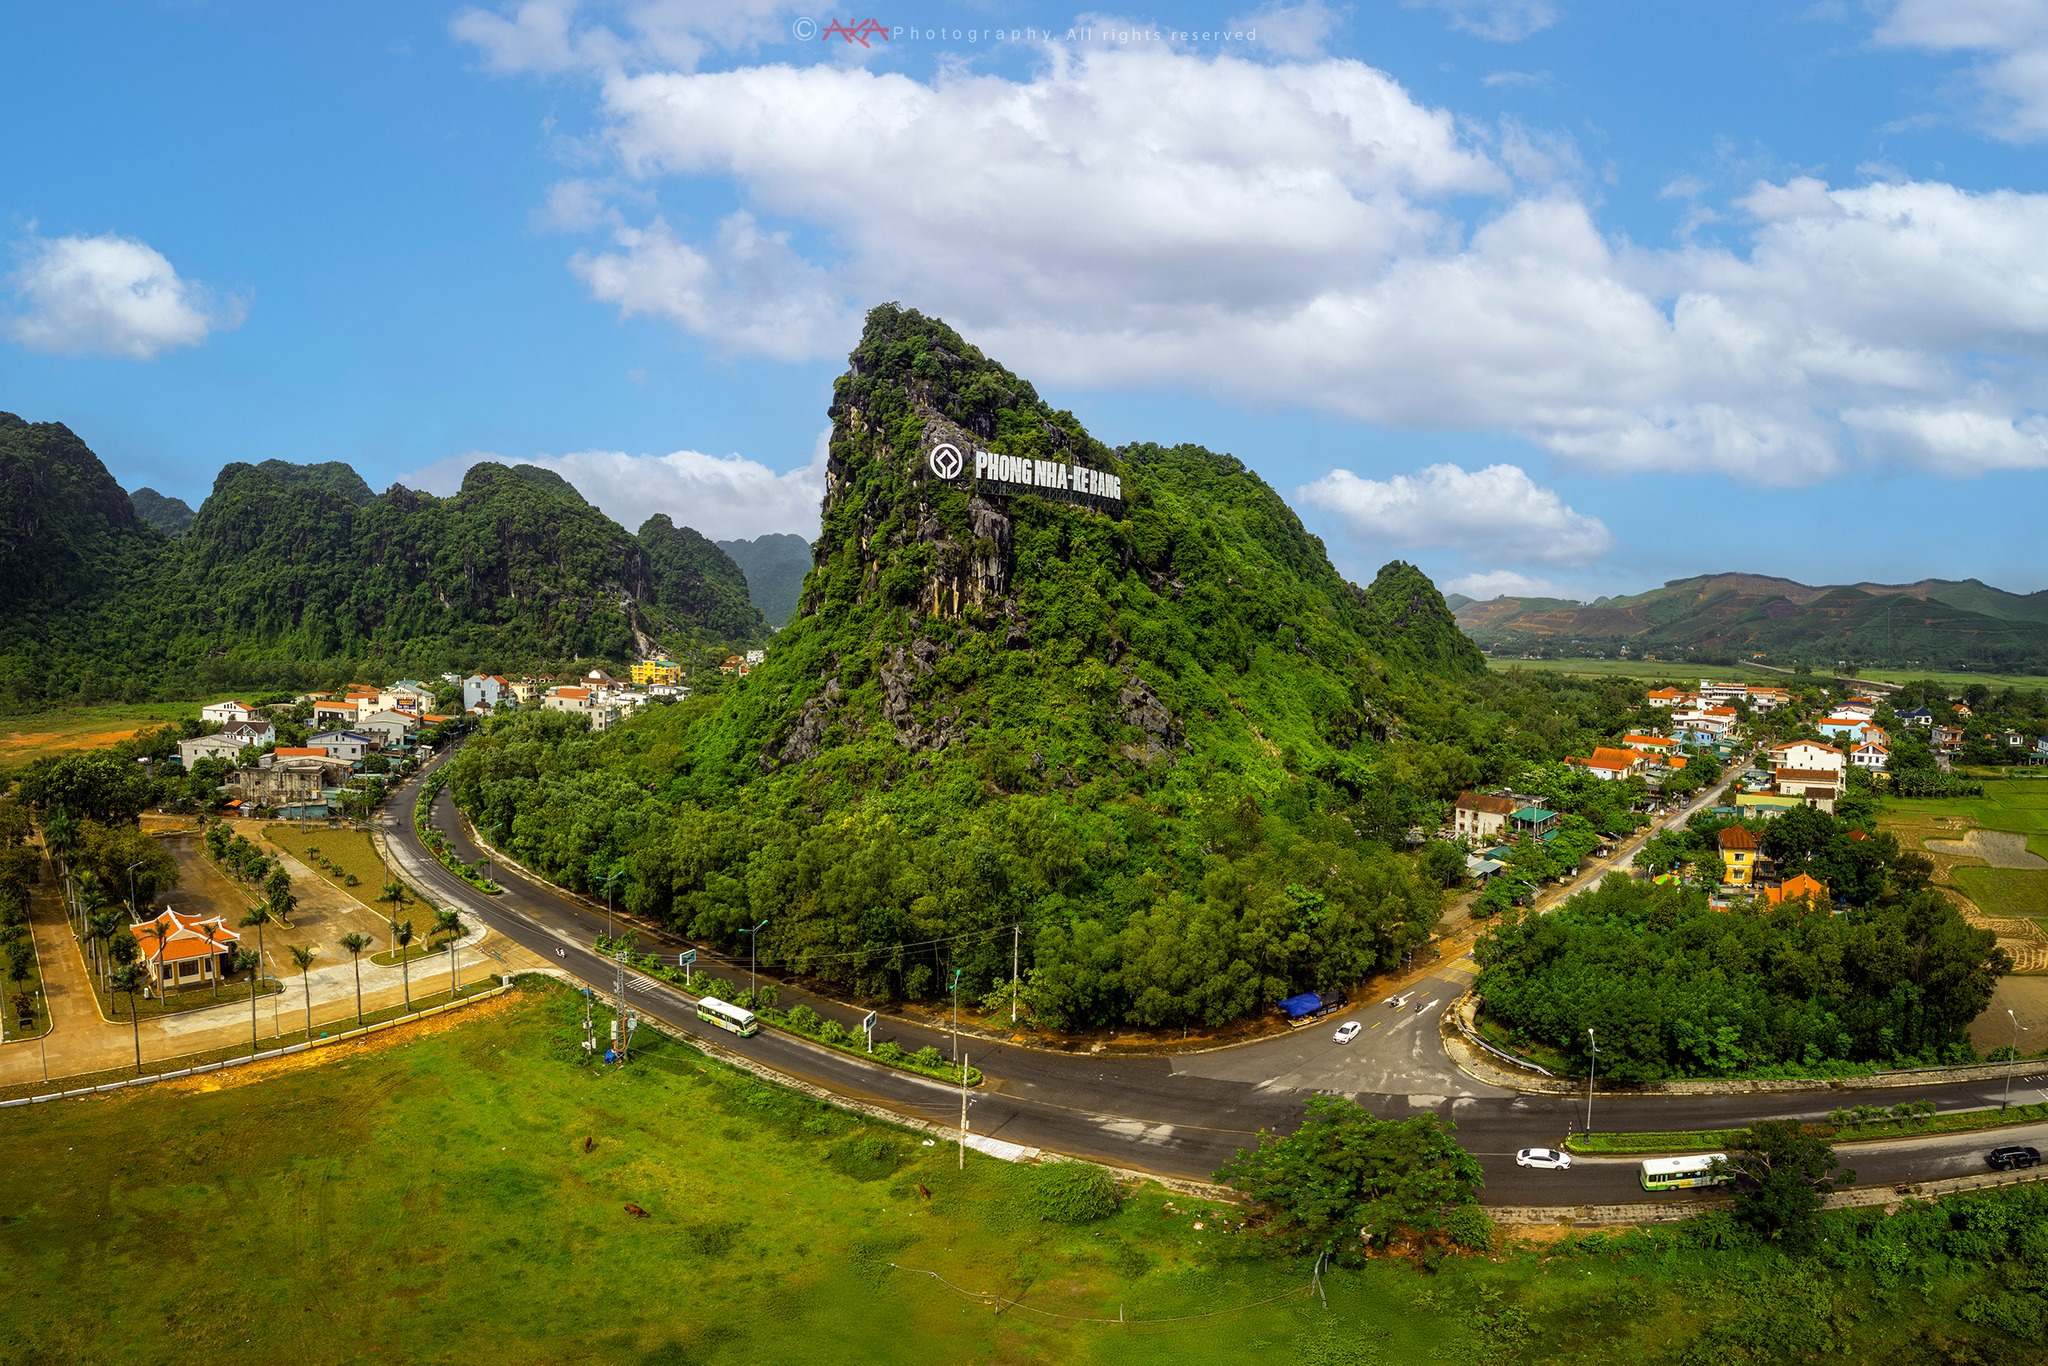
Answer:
(297, 573)
(1934, 622)
(775, 566)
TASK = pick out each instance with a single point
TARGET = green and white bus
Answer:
(711, 1010)
(1681, 1173)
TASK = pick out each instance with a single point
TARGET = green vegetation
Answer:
(437, 842)
(310, 1216)
(346, 858)
(1672, 988)
(171, 516)
(1862, 1124)
(2005, 891)
(775, 566)
(927, 1061)
(298, 575)
(1782, 1174)
(1347, 1183)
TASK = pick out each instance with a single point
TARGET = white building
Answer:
(221, 746)
(1721, 694)
(485, 690)
(1870, 754)
(222, 713)
(1807, 756)
(345, 746)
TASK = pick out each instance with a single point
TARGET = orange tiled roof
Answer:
(172, 937)
(1735, 837)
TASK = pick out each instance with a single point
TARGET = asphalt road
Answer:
(1185, 1115)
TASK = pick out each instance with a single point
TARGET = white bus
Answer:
(1680, 1173)
(711, 1010)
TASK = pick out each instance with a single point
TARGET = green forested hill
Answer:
(169, 515)
(775, 566)
(1167, 742)
(290, 573)
(1935, 622)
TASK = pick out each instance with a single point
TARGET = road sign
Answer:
(867, 1027)
(686, 958)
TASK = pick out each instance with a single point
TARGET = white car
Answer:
(1348, 1031)
(1549, 1158)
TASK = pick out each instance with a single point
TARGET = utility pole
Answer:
(1016, 943)
(753, 947)
(1592, 1063)
(614, 876)
(963, 1114)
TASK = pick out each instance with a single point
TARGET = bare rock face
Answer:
(801, 745)
(1140, 707)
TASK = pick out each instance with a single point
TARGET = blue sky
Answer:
(1535, 293)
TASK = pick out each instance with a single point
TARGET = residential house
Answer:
(347, 746)
(1948, 738)
(183, 950)
(1870, 754)
(296, 775)
(387, 729)
(1650, 744)
(1919, 716)
(660, 670)
(1720, 694)
(1665, 697)
(335, 715)
(756, 657)
(526, 691)
(735, 664)
(590, 702)
(486, 691)
(221, 746)
(1854, 706)
(599, 679)
(1819, 787)
(1738, 856)
(1609, 765)
(222, 713)
(1766, 805)
(1812, 891)
(1807, 754)
(1479, 818)
(1840, 727)
(257, 733)
(1768, 699)
(1701, 725)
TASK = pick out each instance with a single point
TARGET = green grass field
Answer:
(465, 1192)
(29, 736)
(2017, 803)
(2005, 891)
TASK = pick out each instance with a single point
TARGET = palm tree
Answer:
(248, 962)
(355, 944)
(304, 958)
(449, 924)
(129, 979)
(401, 935)
(255, 917)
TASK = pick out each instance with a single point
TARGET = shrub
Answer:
(866, 1157)
(1072, 1192)
(721, 989)
(835, 1033)
(1471, 1226)
(803, 1020)
(891, 1052)
(928, 1056)
(352, 880)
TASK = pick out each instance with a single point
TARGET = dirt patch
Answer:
(381, 1042)
(1998, 848)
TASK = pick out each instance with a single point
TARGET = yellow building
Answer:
(1738, 856)
(663, 670)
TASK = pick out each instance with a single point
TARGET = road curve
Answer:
(1183, 1116)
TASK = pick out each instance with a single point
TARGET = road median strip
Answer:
(1693, 1140)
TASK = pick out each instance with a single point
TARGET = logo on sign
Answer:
(946, 461)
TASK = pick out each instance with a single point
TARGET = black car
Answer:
(2009, 1158)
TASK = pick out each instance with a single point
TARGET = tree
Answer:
(401, 935)
(129, 979)
(355, 944)
(255, 918)
(1442, 863)
(277, 888)
(1346, 1175)
(248, 962)
(449, 925)
(1782, 1174)
(304, 959)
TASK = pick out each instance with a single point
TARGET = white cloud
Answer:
(2010, 36)
(1495, 514)
(723, 497)
(107, 295)
(1530, 78)
(1506, 583)
(749, 293)
(1301, 232)
(1499, 21)
(549, 36)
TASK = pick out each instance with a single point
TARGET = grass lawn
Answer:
(467, 1190)
(29, 736)
(2005, 891)
(334, 855)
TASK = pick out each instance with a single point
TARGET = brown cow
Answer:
(636, 1212)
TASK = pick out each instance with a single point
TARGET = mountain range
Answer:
(775, 566)
(1934, 622)
(289, 574)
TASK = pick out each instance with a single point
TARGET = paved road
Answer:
(1184, 1115)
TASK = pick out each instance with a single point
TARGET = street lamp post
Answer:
(610, 878)
(133, 913)
(1592, 1064)
(753, 946)
(2011, 1058)
(955, 989)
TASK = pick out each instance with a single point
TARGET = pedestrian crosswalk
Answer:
(1463, 967)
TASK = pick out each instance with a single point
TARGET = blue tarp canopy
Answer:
(1308, 1003)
